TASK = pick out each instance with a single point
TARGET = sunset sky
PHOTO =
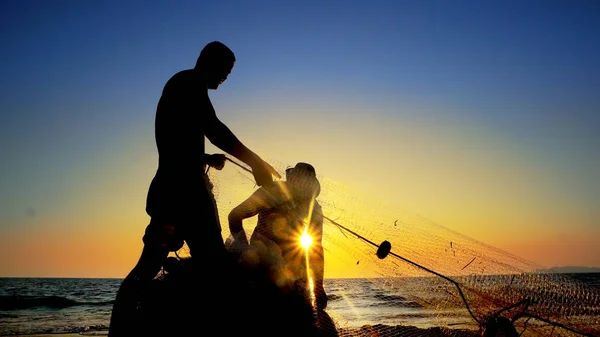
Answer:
(483, 117)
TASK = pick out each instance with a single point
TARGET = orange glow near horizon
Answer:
(94, 251)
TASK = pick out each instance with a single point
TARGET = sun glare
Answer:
(305, 240)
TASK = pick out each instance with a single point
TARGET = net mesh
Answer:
(434, 281)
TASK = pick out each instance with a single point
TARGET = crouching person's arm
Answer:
(247, 209)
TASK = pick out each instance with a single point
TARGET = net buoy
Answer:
(384, 249)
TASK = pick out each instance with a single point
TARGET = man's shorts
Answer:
(163, 235)
(178, 214)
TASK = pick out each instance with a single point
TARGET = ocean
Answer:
(83, 305)
(55, 305)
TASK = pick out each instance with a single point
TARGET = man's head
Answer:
(215, 63)
(303, 178)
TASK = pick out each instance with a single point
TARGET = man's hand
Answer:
(216, 160)
(263, 173)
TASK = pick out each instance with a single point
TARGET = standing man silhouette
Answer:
(180, 202)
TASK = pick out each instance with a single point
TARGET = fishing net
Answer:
(390, 272)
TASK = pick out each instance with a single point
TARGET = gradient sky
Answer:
(481, 116)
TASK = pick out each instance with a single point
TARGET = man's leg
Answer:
(123, 320)
(202, 231)
(211, 263)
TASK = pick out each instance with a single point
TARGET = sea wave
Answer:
(84, 330)
(20, 302)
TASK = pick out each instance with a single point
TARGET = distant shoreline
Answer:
(571, 270)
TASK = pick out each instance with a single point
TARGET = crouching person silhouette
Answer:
(180, 202)
(289, 217)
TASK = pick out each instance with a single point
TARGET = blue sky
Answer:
(447, 106)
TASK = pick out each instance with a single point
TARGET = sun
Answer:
(305, 240)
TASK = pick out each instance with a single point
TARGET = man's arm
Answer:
(222, 137)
